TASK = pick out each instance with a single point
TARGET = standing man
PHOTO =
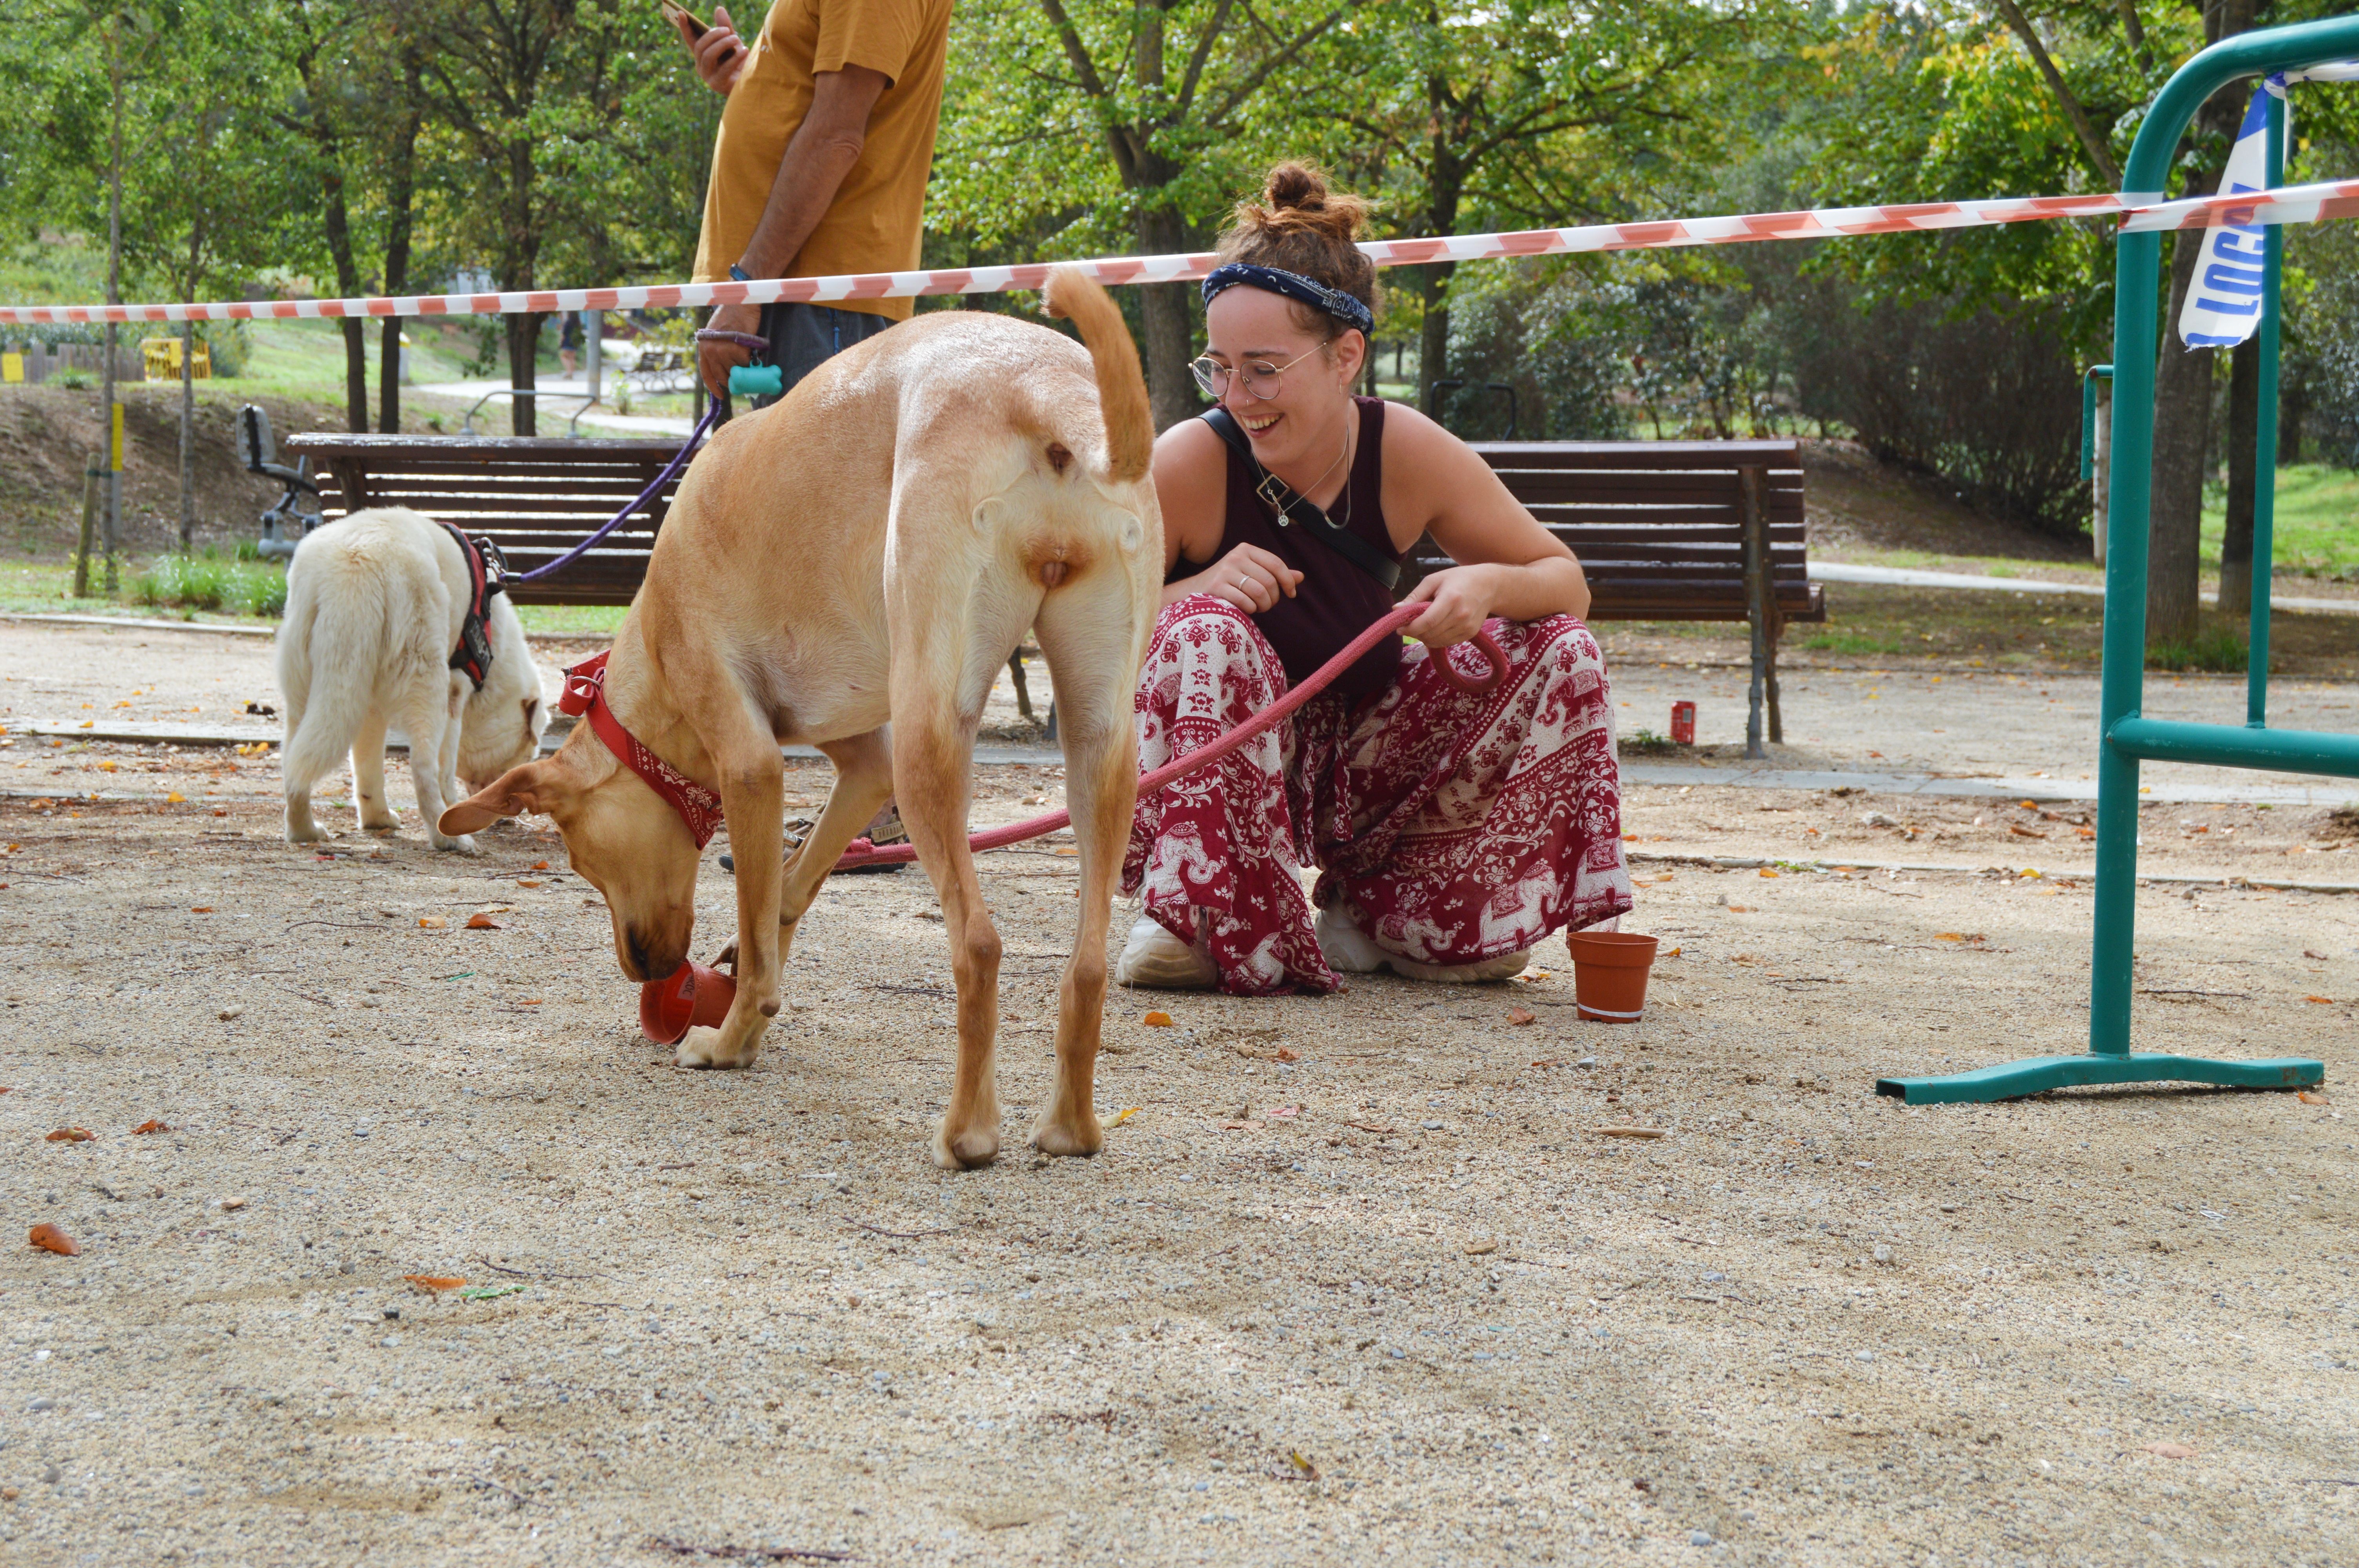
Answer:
(820, 166)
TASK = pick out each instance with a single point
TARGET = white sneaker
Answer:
(1503, 967)
(1156, 958)
(1346, 946)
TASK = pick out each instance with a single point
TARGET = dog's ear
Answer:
(535, 787)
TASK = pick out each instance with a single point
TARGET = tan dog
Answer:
(873, 547)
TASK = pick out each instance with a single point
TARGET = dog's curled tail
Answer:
(1121, 390)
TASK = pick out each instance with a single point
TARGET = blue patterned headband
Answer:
(1293, 285)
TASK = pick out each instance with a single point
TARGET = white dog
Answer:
(377, 605)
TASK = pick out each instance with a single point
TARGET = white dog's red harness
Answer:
(585, 694)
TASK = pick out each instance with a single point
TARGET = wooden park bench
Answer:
(1665, 530)
(536, 497)
(1675, 531)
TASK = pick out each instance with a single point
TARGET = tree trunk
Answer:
(524, 367)
(2244, 416)
(2182, 420)
(2293, 406)
(336, 221)
(1433, 335)
(400, 186)
(1170, 309)
(188, 435)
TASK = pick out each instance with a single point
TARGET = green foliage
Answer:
(2217, 651)
(206, 582)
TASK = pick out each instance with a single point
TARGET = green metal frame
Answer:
(2126, 735)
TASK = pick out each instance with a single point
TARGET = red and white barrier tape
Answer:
(2292, 205)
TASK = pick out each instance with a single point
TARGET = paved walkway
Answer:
(561, 398)
(1908, 577)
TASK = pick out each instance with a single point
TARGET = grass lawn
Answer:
(2317, 527)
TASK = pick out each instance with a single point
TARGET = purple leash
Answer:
(671, 469)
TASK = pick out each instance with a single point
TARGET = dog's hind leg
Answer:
(318, 735)
(1087, 632)
(933, 752)
(368, 776)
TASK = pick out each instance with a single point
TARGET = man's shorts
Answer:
(803, 337)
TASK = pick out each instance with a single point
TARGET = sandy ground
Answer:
(1359, 1280)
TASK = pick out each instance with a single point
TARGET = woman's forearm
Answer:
(1553, 585)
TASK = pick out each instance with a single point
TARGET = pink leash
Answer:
(1016, 832)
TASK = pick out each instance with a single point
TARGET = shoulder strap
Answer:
(1292, 508)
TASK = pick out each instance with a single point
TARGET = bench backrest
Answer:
(1659, 526)
(535, 497)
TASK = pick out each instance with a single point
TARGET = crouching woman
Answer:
(1452, 832)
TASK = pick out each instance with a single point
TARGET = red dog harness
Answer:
(585, 692)
(487, 571)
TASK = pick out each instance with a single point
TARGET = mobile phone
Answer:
(678, 15)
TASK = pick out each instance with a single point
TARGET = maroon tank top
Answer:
(1335, 600)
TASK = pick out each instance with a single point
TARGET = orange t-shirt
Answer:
(875, 223)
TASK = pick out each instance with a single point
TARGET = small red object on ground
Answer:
(1684, 723)
(1609, 974)
(689, 996)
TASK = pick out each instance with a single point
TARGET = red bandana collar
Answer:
(585, 692)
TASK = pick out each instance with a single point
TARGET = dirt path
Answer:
(1379, 1231)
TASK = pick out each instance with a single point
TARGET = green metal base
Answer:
(2037, 1075)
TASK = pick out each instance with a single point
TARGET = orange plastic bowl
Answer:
(689, 996)
(1609, 974)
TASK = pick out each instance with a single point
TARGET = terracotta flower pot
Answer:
(1609, 974)
(690, 995)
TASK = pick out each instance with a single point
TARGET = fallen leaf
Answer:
(174, 798)
(2168, 1450)
(1948, 936)
(50, 1239)
(2305, 952)
(530, 1002)
(2322, 1000)
(433, 1284)
(1239, 1125)
(2312, 1097)
(1671, 953)
(1629, 1132)
(528, 881)
(150, 1125)
(1285, 1054)
(482, 923)
(1521, 1016)
(232, 1205)
(1740, 909)
(201, 909)
(1156, 1020)
(1477, 1249)
(1767, 872)
(2084, 832)
(540, 865)
(2021, 831)
(69, 1135)
(1283, 1110)
(1309, 1471)
(432, 922)
(1126, 1115)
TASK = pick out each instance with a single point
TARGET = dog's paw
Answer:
(305, 833)
(1086, 1136)
(967, 1150)
(380, 822)
(464, 844)
(702, 1047)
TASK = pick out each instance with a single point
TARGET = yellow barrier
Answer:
(161, 358)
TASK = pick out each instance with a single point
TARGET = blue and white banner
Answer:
(2223, 303)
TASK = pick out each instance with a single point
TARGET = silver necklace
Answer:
(1350, 427)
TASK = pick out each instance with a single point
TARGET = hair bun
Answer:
(1295, 185)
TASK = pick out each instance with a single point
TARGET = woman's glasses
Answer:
(1260, 377)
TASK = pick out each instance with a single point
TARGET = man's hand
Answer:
(720, 53)
(1248, 577)
(714, 360)
(1458, 601)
